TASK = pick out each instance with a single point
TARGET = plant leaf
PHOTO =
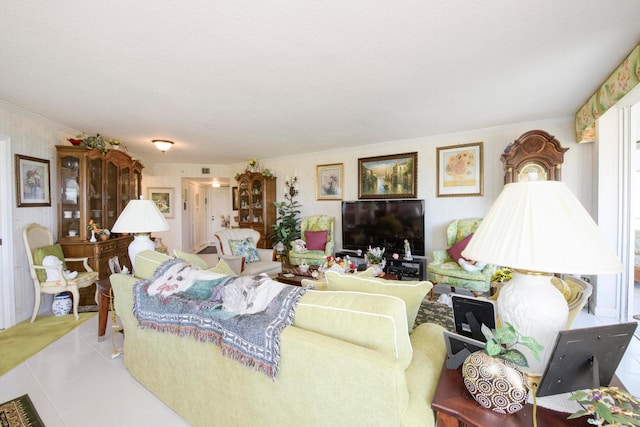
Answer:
(515, 356)
(578, 414)
(493, 348)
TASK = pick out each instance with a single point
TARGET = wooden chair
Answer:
(38, 241)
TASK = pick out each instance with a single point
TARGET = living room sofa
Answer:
(347, 360)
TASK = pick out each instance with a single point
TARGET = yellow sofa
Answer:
(348, 360)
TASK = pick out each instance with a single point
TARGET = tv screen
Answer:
(383, 223)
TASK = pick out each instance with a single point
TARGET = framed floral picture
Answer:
(460, 170)
(329, 181)
(164, 200)
(386, 177)
(33, 179)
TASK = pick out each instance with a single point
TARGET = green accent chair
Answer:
(310, 256)
(446, 271)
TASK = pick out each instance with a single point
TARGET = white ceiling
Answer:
(232, 80)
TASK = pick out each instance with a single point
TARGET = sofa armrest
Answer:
(328, 250)
(440, 255)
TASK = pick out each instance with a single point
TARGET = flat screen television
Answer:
(383, 223)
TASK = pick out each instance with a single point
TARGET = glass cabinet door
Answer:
(95, 190)
(256, 201)
(125, 188)
(70, 196)
(244, 201)
(111, 198)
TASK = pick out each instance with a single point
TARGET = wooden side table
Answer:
(104, 291)
(456, 408)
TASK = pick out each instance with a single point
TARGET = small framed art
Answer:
(164, 200)
(460, 170)
(32, 182)
(329, 181)
(385, 177)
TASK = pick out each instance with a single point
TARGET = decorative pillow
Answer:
(316, 240)
(40, 253)
(223, 268)
(192, 259)
(245, 248)
(412, 293)
(455, 251)
(147, 262)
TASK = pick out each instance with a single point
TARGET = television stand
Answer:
(405, 269)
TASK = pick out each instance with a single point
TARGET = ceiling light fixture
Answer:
(162, 144)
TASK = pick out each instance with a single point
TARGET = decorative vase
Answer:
(378, 268)
(161, 247)
(61, 304)
(103, 237)
(93, 236)
(495, 383)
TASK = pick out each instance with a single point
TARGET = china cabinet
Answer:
(535, 151)
(256, 194)
(97, 186)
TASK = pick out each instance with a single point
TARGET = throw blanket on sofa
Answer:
(242, 314)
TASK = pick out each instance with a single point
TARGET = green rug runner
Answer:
(25, 339)
(431, 311)
(19, 412)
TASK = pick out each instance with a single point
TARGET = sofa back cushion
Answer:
(373, 321)
(147, 262)
(411, 293)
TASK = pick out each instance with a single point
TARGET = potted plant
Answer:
(608, 406)
(375, 259)
(492, 375)
(287, 226)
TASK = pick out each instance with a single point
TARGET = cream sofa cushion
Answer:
(147, 262)
(373, 321)
(412, 293)
(192, 259)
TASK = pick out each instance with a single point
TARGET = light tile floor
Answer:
(76, 382)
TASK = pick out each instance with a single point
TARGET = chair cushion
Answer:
(455, 251)
(192, 259)
(369, 320)
(411, 293)
(316, 240)
(245, 248)
(40, 253)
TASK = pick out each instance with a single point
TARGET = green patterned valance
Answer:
(623, 79)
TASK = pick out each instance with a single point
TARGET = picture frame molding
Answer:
(470, 190)
(322, 172)
(23, 165)
(169, 212)
(366, 162)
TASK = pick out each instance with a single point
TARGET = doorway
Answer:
(7, 291)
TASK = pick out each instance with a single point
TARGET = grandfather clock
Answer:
(534, 151)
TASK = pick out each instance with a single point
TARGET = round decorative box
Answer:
(494, 383)
(61, 304)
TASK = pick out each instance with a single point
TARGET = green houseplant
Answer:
(608, 406)
(287, 226)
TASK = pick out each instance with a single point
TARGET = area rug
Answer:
(19, 412)
(431, 311)
(209, 250)
(20, 342)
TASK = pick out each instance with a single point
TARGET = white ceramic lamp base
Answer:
(536, 309)
(141, 242)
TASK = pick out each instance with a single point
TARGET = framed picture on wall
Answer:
(386, 177)
(164, 200)
(32, 182)
(329, 182)
(460, 170)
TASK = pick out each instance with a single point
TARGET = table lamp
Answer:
(140, 217)
(539, 228)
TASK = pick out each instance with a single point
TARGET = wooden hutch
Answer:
(97, 186)
(256, 194)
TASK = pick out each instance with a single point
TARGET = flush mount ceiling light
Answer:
(162, 144)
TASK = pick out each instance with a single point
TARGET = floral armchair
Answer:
(317, 233)
(446, 270)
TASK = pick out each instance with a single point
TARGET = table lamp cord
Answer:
(535, 404)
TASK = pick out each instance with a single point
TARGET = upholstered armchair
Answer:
(446, 270)
(238, 247)
(317, 233)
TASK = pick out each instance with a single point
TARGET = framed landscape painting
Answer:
(386, 177)
(164, 200)
(32, 182)
(329, 182)
(460, 170)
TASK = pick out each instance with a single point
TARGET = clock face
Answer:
(532, 172)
